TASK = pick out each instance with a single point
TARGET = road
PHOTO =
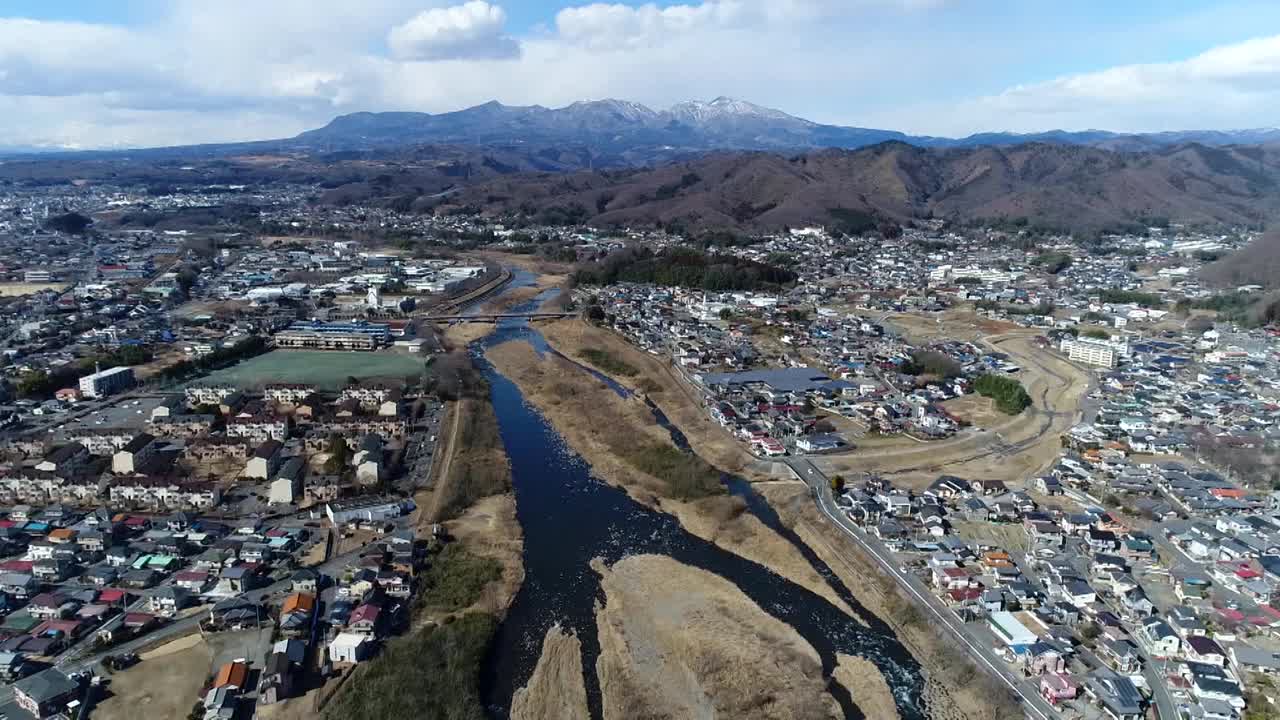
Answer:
(1035, 706)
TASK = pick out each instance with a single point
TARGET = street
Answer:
(1035, 706)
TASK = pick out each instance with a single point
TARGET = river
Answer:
(570, 517)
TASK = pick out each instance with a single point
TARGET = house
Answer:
(287, 486)
(1202, 649)
(1119, 698)
(1057, 687)
(1159, 639)
(235, 612)
(365, 619)
(277, 679)
(306, 580)
(1246, 659)
(13, 665)
(167, 601)
(234, 674)
(45, 693)
(296, 614)
(135, 455)
(264, 462)
(350, 647)
(19, 585)
(368, 459)
(221, 703)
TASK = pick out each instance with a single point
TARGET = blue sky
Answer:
(87, 73)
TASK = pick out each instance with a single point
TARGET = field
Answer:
(168, 681)
(18, 289)
(328, 370)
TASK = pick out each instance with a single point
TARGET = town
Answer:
(221, 430)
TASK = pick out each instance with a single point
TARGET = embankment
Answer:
(605, 429)
(955, 688)
(575, 337)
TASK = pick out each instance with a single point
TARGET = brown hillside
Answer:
(1069, 186)
(1257, 263)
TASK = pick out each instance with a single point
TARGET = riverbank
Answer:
(656, 380)
(955, 688)
(603, 427)
(459, 335)
(679, 642)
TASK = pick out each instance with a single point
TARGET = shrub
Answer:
(455, 579)
(608, 362)
(688, 477)
(433, 674)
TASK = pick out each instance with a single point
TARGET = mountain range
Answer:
(718, 164)
(632, 133)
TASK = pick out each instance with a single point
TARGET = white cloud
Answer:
(616, 26)
(1230, 86)
(202, 71)
(474, 30)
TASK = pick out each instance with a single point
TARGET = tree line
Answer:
(683, 267)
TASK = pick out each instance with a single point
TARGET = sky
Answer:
(133, 73)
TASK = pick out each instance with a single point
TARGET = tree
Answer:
(339, 454)
(725, 313)
(837, 484)
(595, 313)
(1011, 398)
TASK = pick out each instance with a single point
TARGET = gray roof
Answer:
(46, 686)
(782, 380)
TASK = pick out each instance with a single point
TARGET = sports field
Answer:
(326, 370)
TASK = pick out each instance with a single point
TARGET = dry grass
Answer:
(600, 426)
(166, 684)
(975, 410)
(489, 528)
(656, 379)
(681, 642)
(867, 686)
(556, 691)
(477, 464)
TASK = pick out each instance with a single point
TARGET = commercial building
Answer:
(1011, 631)
(106, 382)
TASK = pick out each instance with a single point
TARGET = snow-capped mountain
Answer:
(697, 112)
(637, 133)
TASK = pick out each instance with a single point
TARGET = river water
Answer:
(569, 517)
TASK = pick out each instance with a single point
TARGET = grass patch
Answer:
(688, 477)
(455, 579)
(608, 362)
(433, 674)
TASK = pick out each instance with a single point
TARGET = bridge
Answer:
(496, 317)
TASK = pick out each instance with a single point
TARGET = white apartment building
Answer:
(106, 382)
(1093, 351)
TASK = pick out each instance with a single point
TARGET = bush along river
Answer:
(569, 518)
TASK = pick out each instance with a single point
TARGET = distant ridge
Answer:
(624, 127)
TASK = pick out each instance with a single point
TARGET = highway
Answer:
(1035, 706)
